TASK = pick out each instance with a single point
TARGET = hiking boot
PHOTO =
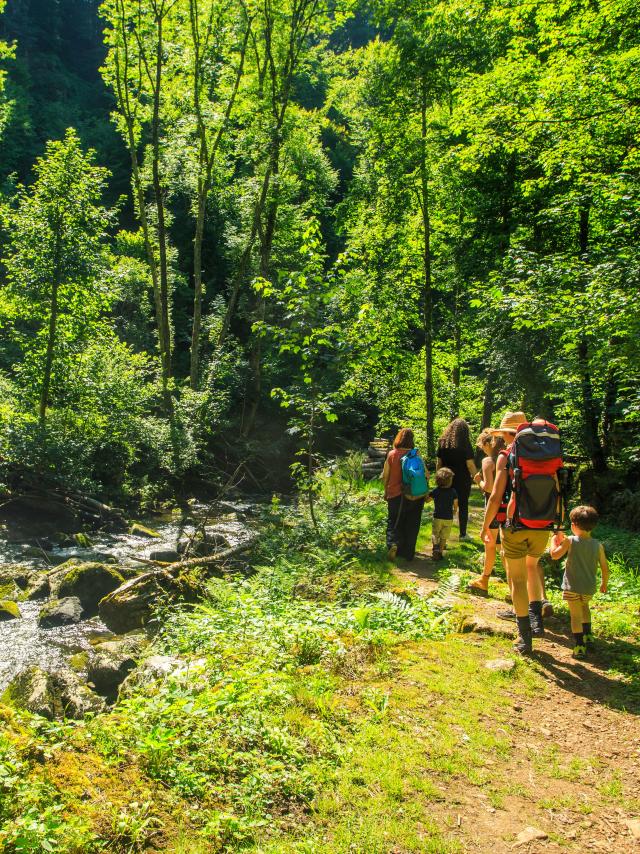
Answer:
(535, 618)
(436, 554)
(393, 551)
(506, 615)
(547, 608)
(579, 651)
(523, 646)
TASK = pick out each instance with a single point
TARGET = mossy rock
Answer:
(9, 610)
(52, 695)
(60, 612)
(90, 582)
(139, 530)
(132, 605)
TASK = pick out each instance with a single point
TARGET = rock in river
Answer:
(89, 582)
(131, 606)
(60, 612)
(52, 695)
(9, 610)
(112, 662)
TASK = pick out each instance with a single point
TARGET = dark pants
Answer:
(464, 491)
(403, 525)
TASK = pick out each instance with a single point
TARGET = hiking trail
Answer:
(572, 781)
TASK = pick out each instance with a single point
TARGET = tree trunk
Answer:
(427, 290)
(158, 192)
(123, 97)
(487, 403)
(590, 411)
(266, 248)
(454, 409)
(609, 409)
(194, 368)
(51, 339)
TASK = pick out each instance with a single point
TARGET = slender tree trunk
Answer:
(454, 409)
(590, 411)
(609, 409)
(427, 289)
(158, 192)
(194, 368)
(51, 339)
(487, 402)
(208, 151)
(123, 95)
(266, 247)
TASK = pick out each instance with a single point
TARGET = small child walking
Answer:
(584, 554)
(445, 501)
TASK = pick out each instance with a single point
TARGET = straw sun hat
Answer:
(510, 422)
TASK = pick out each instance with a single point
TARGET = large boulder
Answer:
(60, 612)
(89, 582)
(132, 605)
(52, 695)
(9, 611)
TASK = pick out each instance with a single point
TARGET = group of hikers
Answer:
(525, 485)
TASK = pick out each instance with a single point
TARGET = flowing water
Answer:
(24, 643)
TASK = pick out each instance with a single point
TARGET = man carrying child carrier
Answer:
(526, 472)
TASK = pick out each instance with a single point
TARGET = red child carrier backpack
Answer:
(536, 468)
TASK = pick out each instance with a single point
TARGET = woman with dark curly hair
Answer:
(455, 453)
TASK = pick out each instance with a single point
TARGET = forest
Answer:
(243, 245)
(233, 233)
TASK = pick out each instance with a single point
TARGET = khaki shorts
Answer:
(523, 543)
(570, 596)
(440, 530)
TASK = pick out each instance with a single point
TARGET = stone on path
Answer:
(634, 827)
(473, 623)
(501, 665)
(529, 834)
(9, 610)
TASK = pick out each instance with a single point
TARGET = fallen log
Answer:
(132, 605)
(216, 558)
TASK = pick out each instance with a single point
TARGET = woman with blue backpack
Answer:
(405, 488)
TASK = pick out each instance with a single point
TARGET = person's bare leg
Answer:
(535, 579)
(482, 583)
(517, 573)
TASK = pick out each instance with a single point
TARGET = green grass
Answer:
(321, 705)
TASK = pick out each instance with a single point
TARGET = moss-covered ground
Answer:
(327, 703)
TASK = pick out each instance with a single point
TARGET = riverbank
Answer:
(327, 702)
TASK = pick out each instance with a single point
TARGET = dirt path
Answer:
(574, 774)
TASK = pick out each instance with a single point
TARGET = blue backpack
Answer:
(414, 476)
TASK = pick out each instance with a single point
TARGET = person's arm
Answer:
(439, 463)
(386, 474)
(495, 499)
(455, 505)
(604, 568)
(487, 476)
(471, 466)
(560, 545)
